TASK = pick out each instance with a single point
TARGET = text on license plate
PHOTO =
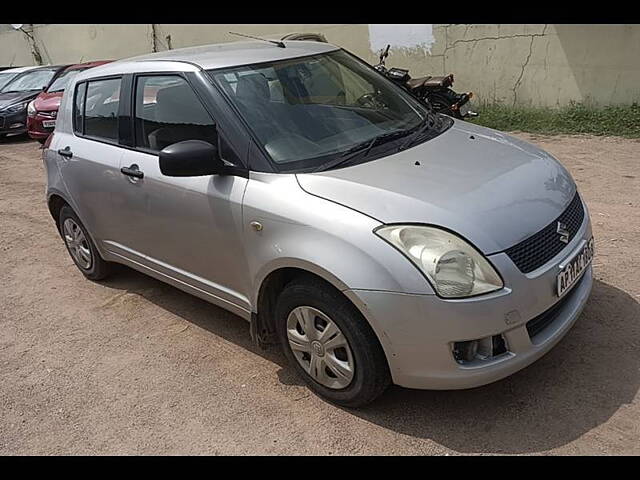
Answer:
(48, 123)
(574, 268)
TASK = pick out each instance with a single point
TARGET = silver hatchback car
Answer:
(297, 187)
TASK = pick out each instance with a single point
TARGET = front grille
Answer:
(546, 318)
(541, 247)
(48, 114)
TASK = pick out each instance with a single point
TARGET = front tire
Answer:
(330, 344)
(80, 246)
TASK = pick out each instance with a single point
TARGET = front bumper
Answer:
(418, 331)
(13, 123)
(35, 127)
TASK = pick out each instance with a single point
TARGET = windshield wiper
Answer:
(21, 91)
(427, 123)
(361, 149)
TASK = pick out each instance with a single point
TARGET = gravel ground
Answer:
(133, 366)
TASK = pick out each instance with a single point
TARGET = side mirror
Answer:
(190, 158)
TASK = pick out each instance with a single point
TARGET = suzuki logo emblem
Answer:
(563, 232)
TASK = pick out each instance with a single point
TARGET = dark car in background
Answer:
(18, 92)
(43, 110)
(8, 74)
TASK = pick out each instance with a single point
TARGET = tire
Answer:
(442, 104)
(370, 370)
(81, 247)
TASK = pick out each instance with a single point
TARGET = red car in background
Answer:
(42, 112)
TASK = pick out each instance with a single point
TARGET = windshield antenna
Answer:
(275, 42)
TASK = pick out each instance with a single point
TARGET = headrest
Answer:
(253, 88)
(179, 104)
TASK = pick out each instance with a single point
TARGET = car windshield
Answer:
(308, 111)
(5, 77)
(27, 81)
(60, 83)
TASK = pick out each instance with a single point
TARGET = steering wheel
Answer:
(370, 100)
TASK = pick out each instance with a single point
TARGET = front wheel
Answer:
(330, 344)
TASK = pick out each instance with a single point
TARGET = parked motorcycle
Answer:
(434, 91)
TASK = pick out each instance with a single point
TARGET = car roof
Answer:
(45, 67)
(20, 72)
(96, 63)
(208, 57)
(20, 69)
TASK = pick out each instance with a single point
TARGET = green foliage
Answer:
(623, 120)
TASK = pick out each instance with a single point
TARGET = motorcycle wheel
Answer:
(442, 104)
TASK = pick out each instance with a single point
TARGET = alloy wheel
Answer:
(77, 243)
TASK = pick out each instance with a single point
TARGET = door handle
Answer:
(65, 152)
(132, 171)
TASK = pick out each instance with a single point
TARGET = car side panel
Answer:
(185, 227)
(331, 240)
(91, 180)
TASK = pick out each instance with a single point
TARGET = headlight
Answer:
(31, 109)
(454, 268)
(16, 107)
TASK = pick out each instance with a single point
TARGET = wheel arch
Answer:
(273, 281)
(270, 281)
(292, 266)
(55, 202)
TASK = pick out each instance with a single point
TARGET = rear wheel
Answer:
(443, 101)
(330, 344)
(81, 248)
(441, 104)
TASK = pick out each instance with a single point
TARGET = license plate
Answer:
(464, 109)
(573, 268)
(48, 123)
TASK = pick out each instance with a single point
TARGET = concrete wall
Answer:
(512, 64)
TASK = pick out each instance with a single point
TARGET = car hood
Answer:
(48, 102)
(7, 99)
(493, 189)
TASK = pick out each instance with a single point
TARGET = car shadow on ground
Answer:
(577, 386)
(16, 139)
(207, 316)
